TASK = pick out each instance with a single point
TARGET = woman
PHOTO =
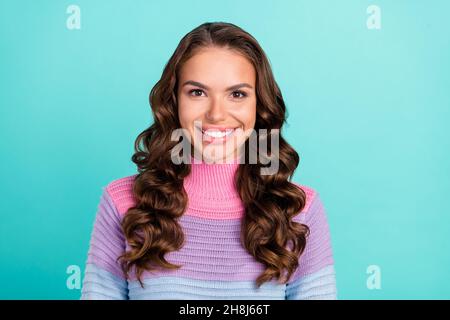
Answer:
(215, 225)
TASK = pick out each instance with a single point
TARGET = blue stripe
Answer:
(101, 284)
(169, 287)
(320, 285)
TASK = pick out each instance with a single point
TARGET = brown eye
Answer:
(239, 94)
(196, 91)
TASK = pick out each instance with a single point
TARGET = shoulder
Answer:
(121, 193)
(314, 211)
(311, 196)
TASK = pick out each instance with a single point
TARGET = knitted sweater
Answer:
(215, 265)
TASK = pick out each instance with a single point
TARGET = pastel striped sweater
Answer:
(215, 264)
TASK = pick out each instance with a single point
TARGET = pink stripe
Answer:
(227, 207)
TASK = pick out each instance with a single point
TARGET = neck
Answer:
(212, 190)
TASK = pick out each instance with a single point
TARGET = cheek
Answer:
(248, 116)
(186, 114)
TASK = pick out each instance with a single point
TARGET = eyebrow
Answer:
(233, 87)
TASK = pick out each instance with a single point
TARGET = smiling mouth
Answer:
(214, 133)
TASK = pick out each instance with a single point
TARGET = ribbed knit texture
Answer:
(214, 263)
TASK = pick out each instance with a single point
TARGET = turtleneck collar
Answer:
(212, 191)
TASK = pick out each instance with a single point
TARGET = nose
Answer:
(216, 111)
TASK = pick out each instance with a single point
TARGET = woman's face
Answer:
(217, 102)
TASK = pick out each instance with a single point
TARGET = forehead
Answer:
(218, 67)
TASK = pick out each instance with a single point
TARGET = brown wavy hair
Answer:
(151, 226)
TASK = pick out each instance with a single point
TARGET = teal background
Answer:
(368, 114)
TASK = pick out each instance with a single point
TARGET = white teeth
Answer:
(217, 133)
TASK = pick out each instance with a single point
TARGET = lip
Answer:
(209, 139)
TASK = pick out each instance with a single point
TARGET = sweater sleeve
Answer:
(314, 279)
(103, 277)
